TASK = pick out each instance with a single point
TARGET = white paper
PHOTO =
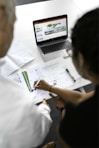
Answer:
(20, 54)
(53, 72)
(8, 67)
(17, 57)
(34, 75)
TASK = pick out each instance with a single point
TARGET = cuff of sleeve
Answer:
(44, 107)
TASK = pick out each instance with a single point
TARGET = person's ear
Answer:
(83, 66)
(2, 13)
(81, 60)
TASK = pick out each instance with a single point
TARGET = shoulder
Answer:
(11, 90)
(14, 97)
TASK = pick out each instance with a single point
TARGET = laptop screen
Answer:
(50, 29)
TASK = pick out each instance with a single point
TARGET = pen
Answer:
(37, 83)
(70, 75)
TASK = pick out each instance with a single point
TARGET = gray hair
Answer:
(9, 8)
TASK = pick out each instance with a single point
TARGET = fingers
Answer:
(36, 84)
(44, 101)
(41, 84)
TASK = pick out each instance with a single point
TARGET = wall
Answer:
(22, 2)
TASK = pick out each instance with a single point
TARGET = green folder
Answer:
(26, 78)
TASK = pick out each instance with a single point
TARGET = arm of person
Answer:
(30, 124)
(46, 118)
(45, 121)
(69, 96)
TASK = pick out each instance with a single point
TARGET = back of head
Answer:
(9, 8)
(85, 39)
(7, 19)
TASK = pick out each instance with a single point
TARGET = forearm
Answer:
(43, 123)
(67, 95)
(71, 96)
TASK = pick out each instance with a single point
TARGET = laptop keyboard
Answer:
(56, 47)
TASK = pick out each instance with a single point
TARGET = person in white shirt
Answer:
(22, 123)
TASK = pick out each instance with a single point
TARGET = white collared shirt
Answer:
(22, 123)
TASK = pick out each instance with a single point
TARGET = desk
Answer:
(24, 29)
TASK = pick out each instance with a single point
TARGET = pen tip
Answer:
(66, 70)
(32, 90)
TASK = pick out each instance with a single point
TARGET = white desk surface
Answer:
(24, 32)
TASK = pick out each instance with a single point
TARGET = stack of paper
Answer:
(54, 72)
(17, 57)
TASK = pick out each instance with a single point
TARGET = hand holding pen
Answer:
(36, 83)
(41, 84)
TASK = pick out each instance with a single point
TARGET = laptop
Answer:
(51, 33)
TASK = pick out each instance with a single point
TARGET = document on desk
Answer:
(17, 57)
(53, 72)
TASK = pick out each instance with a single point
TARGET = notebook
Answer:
(51, 33)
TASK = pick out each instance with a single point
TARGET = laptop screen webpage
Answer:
(50, 29)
